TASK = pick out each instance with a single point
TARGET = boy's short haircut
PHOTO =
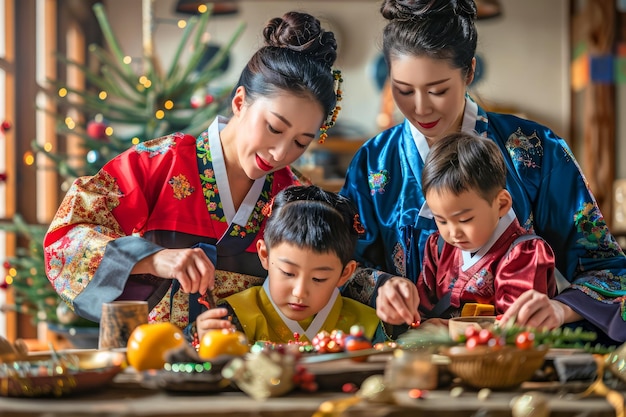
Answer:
(461, 162)
(311, 218)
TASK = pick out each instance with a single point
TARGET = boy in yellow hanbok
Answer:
(307, 250)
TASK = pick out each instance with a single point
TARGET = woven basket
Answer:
(499, 368)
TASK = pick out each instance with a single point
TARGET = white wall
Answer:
(525, 51)
(527, 60)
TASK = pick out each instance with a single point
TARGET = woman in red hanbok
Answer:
(176, 216)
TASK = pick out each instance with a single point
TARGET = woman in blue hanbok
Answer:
(429, 47)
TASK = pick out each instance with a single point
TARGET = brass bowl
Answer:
(495, 368)
(58, 373)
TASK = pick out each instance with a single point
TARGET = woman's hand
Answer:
(535, 309)
(397, 302)
(212, 319)
(191, 267)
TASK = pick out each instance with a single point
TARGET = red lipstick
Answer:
(263, 165)
(428, 125)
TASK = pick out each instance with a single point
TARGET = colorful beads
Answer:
(330, 122)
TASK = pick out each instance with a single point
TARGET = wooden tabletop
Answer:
(122, 399)
(128, 395)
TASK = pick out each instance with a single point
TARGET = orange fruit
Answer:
(354, 344)
(148, 343)
(218, 342)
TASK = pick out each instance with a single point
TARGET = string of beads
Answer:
(330, 121)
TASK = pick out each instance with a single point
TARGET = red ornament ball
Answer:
(6, 126)
(357, 330)
(96, 130)
(349, 388)
(195, 102)
(416, 393)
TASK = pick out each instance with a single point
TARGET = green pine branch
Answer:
(130, 108)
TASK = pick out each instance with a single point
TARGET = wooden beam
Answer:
(10, 188)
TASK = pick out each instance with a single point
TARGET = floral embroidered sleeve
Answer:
(101, 221)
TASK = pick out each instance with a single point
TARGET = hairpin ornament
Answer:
(330, 121)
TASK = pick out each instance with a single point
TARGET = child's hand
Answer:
(397, 302)
(212, 319)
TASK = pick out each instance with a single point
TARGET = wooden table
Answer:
(122, 399)
(126, 396)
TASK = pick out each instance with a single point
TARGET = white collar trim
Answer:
(294, 326)
(470, 115)
(505, 221)
(242, 215)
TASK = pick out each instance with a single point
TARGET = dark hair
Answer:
(309, 217)
(462, 162)
(441, 29)
(297, 57)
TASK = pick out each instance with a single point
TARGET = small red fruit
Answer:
(472, 342)
(484, 335)
(470, 331)
(496, 342)
(525, 340)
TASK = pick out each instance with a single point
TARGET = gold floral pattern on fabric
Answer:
(179, 312)
(158, 146)
(90, 200)
(526, 149)
(175, 311)
(162, 312)
(88, 203)
(181, 186)
(228, 283)
(70, 275)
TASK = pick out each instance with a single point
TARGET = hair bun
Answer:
(302, 32)
(412, 9)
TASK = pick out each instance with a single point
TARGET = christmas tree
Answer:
(123, 105)
(142, 105)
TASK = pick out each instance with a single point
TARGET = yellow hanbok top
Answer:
(260, 321)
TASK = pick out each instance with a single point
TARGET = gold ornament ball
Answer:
(531, 404)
